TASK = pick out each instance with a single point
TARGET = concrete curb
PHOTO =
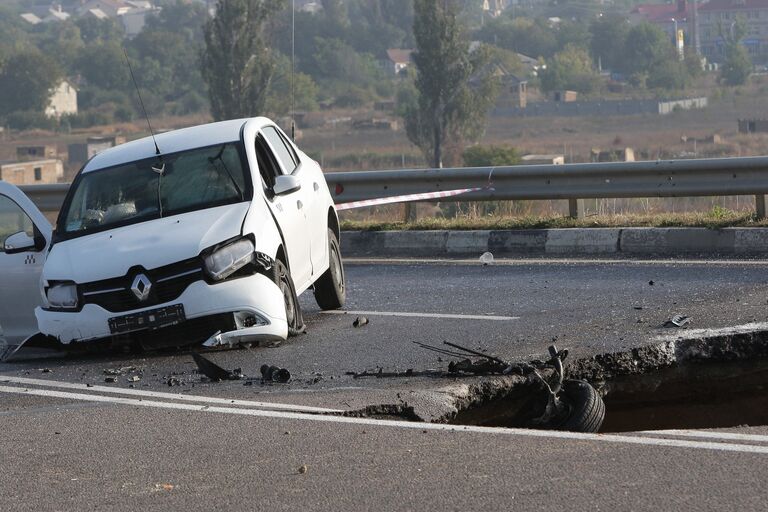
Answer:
(562, 242)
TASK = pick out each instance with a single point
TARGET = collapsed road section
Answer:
(704, 378)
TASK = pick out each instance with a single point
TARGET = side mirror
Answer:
(285, 184)
(19, 242)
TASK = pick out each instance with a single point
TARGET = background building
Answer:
(721, 15)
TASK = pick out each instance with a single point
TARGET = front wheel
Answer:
(293, 315)
(330, 289)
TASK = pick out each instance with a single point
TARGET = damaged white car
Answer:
(205, 234)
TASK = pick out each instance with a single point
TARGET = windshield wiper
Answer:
(160, 171)
(211, 159)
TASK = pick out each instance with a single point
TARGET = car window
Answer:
(265, 159)
(284, 155)
(12, 220)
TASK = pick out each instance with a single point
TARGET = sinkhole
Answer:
(696, 395)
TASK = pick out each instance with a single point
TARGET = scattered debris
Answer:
(215, 372)
(110, 380)
(119, 371)
(134, 378)
(677, 321)
(173, 381)
(486, 258)
(487, 365)
(274, 374)
(360, 321)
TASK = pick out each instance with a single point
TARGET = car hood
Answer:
(150, 244)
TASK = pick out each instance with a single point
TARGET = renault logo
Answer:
(141, 287)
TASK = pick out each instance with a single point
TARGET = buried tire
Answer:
(586, 407)
(282, 279)
(330, 288)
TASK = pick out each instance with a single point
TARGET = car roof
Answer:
(172, 142)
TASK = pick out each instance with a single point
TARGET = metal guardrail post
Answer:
(576, 208)
(760, 206)
(409, 212)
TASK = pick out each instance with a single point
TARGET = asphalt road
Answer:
(66, 446)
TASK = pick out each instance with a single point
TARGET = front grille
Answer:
(168, 283)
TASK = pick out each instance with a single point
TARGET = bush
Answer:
(28, 119)
(88, 118)
(353, 96)
(489, 156)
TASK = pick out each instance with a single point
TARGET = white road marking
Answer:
(423, 315)
(543, 434)
(551, 261)
(702, 434)
(165, 396)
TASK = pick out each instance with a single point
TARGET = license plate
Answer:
(152, 319)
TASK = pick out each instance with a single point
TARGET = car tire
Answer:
(330, 288)
(587, 409)
(293, 316)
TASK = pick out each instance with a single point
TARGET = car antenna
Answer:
(143, 109)
(293, 70)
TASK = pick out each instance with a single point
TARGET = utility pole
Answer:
(696, 40)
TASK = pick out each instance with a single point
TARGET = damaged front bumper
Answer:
(249, 308)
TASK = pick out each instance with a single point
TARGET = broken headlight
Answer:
(62, 295)
(227, 260)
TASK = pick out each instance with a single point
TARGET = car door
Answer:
(20, 272)
(317, 208)
(290, 208)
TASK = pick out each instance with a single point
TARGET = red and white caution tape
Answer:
(405, 198)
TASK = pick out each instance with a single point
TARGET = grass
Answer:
(717, 218)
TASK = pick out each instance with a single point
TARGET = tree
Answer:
(650, 59)
(93, 29)
(737, 66)
(236, 64)
(279, 99)
(608, 41)
(27, 79)
(455, 88)
(569, 69)
(646, 46)
(534, 38)
(103, 65)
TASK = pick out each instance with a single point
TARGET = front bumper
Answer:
(255, 294)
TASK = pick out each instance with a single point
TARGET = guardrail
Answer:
(574, 182)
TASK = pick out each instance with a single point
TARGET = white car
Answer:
(206, 234)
